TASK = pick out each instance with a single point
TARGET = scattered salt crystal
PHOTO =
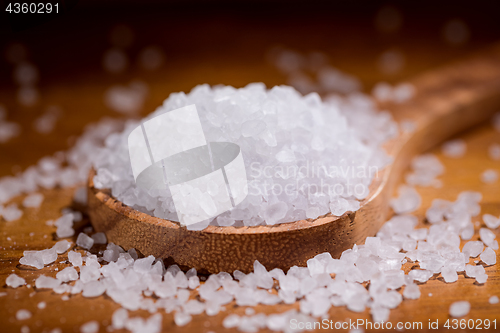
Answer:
(33, 200)
(408, 200)
(425, 170)
(459, 309)
(41, 305)
(90, 327)
(403, 92)
(119, 318)
(62, 246)
(493, 300)
(487, 236)
(193, 282)
(14, 281)
(449, 274)
(84, 241)
(494, 151)
(411, 291)
(93, 289)
(489, 176)
(75, 258)
(23, 314)
(454, 148)
(99, 238)
(491, 221)
(67, 274)
(473, 248)
(421, 275)
(231, 321)
(489, 256)
(181, 318)
(32, 258)
(25, 329)
(46, 282)
(126, 99)
(11, 213)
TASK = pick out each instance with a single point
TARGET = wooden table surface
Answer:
(81, 98)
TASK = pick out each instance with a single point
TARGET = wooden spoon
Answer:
(447, 100)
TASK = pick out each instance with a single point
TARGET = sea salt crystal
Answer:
(89, 273)
(411, 291)
(421, 275)
(23, 314)
(459, 309)
(126, 99)
(489, 176)
(99, 238)
(494, 151)
(473, 248)
(93, 289)
(46, 282)
(90, 327)
(62, 246)
(84, 241)
(454, 148)
(489, 257)
(33, 200)
(182, 318)
(487, 236)
(493, 300)
(67, 274)
(491, 221)
(403, 92)
(425, 170)
(11, 213)
(41, 305)
(408, 200)
(14, 281)
(75, 258)
(449, 274)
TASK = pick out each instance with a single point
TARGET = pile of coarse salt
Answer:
(304, 157)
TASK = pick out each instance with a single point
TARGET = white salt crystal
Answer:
(403, 92)
(11, 213)
(48, 256)
(144, 265)
(93, 289)
(80, 195)
(421, 275)
(481, 278)
(491, 221)
(487, 236)
(494, 151)
(459, 309)
(23, 314)
(489, 257)
(193, 282)
(75, 258)
(380, 314)
(119, 318)
(33, 200)
(493, 300)
(408, 200)
(67, 274)
(182, 318)
(411, 291)
(382, 91)
(231, 321)
(473, 248)
(489, 176)
(90, 327)
(25, 329)
(84, 241)
(14, 281)
(126, 99)
(62, 246)
(454, 148)
(425, 170)
(99, 238)
(41, 305)
(89, 273)
(46, 282)
(449, 274)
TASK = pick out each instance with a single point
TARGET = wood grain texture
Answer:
(447, 101)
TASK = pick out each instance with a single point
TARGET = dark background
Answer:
(212, 42)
